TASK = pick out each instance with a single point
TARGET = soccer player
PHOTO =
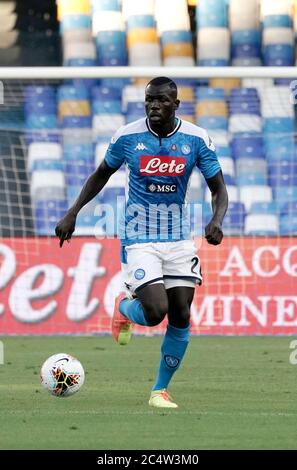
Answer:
(159, 261)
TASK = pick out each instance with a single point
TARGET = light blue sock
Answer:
(133, 310)
(172, 352)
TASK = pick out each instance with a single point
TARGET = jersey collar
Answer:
(177, 126)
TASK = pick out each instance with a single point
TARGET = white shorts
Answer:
(170, 263)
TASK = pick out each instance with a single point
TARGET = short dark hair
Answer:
(158, 81)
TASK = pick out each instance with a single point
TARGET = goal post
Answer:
(55, 126)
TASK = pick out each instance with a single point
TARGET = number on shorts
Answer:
(195, 261)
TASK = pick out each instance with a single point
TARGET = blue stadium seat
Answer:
(244, 92)
(278, 124)
(110, 38)
(42, 136)
(289, 208)
(247, 145)
(39, 92)
(279, 146)
(106, 93)
(75, 22)
(47, 213)
(80, 62)
(212, 13)
(171, 37)
(77, 171)
(284, 194)
(251, 179)
(279, 55)
(264, 208)
(244, 107)
(288, 225)
(277, 21)
(213, 122)
(107, 107)
(233, 223)
(213, 62)
(76, 122)
(208, 93)
(36, 105)
(41, 121)
(223, 150)
(283, 180)
(72, 92)
(77, 151)
(246, 36)
(243, 51)
(140, 21)
(52, 164)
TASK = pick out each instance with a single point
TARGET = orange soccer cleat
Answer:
(121, 327)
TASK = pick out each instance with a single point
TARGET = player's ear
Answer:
(176, 104)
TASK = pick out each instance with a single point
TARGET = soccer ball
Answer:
(62, 375)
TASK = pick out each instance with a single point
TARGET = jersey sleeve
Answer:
(115, 155)
(207, 160)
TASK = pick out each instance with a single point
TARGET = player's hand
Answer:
(213, 233)
(65, 228)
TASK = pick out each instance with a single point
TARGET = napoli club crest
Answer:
(186, 149)
(139, 274)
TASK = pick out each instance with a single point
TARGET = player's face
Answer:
(160, 104)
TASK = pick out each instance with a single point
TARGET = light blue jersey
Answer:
(158, 174)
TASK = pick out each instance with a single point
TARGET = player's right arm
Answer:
(91, 188)
(114, 158)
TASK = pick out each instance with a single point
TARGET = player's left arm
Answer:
(219, 202)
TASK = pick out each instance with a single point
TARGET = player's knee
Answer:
(155, 313)
(181, 319)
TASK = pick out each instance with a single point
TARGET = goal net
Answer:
(55, 131)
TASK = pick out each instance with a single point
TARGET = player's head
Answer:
(161, 100)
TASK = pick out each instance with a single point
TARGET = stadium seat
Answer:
(78, 170)
(48, 185)
(254, 193)
(252, 179)
(101, 148)
(244, 16)
(227, 165)
(246, 166)
(233, 223)
(288, 225)
(247, 145)
(47, 213)
(284, 194)
(213, 44)
(289, 208)
(264, 208)
(261, 224)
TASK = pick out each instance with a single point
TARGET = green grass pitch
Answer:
(233, 393)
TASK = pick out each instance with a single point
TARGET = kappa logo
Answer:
(171, 361)
(140, 146)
